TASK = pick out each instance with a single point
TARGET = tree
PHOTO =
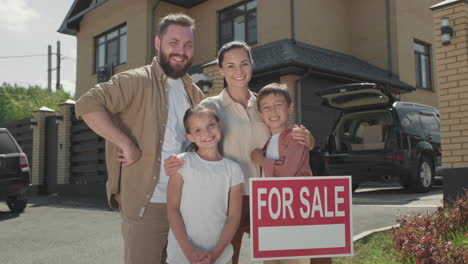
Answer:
(18, 102)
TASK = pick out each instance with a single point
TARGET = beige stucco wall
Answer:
(101, 19)
(368, 32)
(273, 22)
(206, 36)
(356, 28)
(324, 23)
(414, 20)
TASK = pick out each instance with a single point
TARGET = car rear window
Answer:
(429, 122)
(6, 144)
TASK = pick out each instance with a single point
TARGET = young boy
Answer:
(282, 156)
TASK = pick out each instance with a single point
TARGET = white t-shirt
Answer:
(204, 204)
(272, 151)
(174, 136)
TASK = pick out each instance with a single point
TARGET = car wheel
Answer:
(421, 181)
(16, 205)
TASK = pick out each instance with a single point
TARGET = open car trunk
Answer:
(362, 143)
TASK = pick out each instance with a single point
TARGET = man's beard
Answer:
(170, 71)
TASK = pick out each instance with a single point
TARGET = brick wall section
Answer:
(212, 72)
(452, 77)
(64, 142)
(38, 148)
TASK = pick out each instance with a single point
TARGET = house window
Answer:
(238, 22)
(422, 62)
(111, 48)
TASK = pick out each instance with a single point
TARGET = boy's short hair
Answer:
(276, 89)
(175, 19)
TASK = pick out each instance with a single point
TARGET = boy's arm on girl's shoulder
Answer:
(174, 194)
(232, 221)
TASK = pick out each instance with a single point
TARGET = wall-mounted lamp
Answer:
(58, 118)
(205, 85)
(446, 31)
(202, 81)
(32, 123)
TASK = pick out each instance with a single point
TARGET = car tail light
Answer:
(394, 157)
(24, 165)
(326, 159)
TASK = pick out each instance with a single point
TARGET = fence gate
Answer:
(51, 155)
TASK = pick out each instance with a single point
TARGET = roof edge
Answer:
(447, 3)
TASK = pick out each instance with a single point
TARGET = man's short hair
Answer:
(276, 89)
(175, 19)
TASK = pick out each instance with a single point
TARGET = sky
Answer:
(27, 27)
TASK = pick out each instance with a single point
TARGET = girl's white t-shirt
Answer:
(204, 204)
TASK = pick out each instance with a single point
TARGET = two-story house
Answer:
(308, 44)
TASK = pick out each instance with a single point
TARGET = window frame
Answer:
(418, 68)
(231, 18)
(105, 43)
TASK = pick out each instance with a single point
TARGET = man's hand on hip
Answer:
(128, 154)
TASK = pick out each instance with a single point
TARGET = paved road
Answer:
(56, 230)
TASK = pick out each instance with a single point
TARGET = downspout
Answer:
(153, 29)
(389, 43)
(293, 26)
(298, 92)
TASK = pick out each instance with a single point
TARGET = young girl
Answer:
(204, 198)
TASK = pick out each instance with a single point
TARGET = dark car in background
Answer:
(379, 139)
(14, 173)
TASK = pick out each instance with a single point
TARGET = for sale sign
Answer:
(298, 217)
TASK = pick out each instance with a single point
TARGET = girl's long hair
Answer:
(199, 109)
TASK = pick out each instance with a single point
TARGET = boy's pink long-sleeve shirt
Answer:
(294, 158)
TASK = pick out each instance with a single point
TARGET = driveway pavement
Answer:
(57, 230)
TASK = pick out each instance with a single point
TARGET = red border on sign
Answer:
(323, 185)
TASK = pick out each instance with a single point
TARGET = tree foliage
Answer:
(18, 102)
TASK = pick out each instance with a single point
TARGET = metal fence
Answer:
(87, 155)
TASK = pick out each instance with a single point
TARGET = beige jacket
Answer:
(137, 101)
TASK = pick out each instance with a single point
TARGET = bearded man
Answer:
(139, 112)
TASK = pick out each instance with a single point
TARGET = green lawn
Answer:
(373, 249)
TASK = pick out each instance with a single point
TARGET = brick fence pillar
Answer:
(64, 142)
(451, 62)
(38, 148)
(211, 71)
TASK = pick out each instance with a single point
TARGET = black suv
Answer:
(14, 173)
(376, 138)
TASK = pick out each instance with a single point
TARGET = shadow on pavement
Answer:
(54, 200)
(395, 195)
(7, 215)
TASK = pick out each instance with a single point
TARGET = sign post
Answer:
(300, 217)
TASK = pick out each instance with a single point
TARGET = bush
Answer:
(426, 239)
